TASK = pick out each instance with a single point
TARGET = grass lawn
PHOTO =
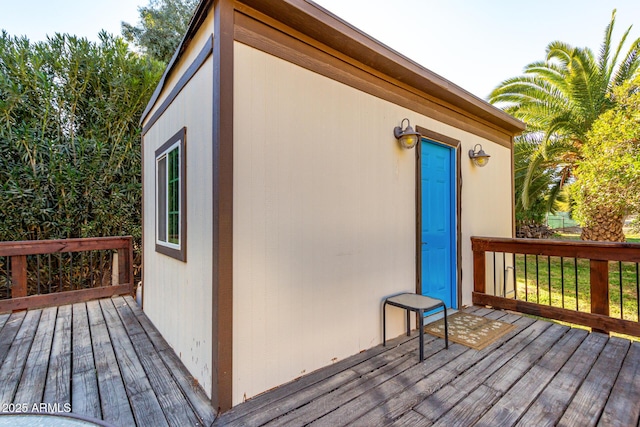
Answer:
(567, 292)
(565, 283)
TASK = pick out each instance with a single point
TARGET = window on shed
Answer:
(171, 197)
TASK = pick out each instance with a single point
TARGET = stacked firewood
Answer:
(533, 231)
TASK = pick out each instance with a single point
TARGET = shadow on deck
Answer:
(539, 374)
(102, 359)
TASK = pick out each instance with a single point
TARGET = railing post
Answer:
(130, 270)
(479, 272)
(18, 276)
(599, 277)
(123, 267)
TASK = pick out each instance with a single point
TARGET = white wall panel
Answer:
(177, 295)
(324, 221)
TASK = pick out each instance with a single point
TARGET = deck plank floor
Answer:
(102, 359)
(105, 360)
(540, 373)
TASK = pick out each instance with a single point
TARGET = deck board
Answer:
(113, 395)
(622, 407)
(551, 403)
(372, 374)
(57, 390)
(418, 379)
(265, 400)
(516, 399)
(3, 319)
(199, 403)
(411, 419)
(468, 410)
(33, 381)
(480, 365)
(15, 360)
(174, 404)
(586, 407)
(390, 400)
(410, 397)
(85, 397)
(143, 402)
(482, 397)
(9, 332)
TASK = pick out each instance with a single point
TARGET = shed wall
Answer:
(177, 295)
(325, 218)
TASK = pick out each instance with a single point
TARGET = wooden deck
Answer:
(101, 359)
(539, 374)
(104, 359)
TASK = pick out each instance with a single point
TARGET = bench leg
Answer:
(384, 324)
(421, 333)
(408, 322)
(446, 329)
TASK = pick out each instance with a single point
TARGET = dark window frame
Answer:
(165, 211)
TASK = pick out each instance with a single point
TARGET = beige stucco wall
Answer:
(177, 295)
(487, 207)
(324, 218)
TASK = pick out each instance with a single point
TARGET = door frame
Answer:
(455, 145)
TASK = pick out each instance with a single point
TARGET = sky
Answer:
(475, 44)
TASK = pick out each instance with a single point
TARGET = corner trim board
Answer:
(222, 170)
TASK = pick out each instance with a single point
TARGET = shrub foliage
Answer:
(69, 137)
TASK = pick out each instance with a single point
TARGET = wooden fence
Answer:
(597, 255)
(56, 272)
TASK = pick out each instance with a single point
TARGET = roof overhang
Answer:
(311, 20)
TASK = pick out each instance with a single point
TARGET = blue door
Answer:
(439, 222)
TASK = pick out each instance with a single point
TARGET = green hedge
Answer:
(69, 137)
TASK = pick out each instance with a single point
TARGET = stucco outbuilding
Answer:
(279, 209)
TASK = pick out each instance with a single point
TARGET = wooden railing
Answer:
(509, 274)
(56, 272)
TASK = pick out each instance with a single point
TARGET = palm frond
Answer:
(559, 99)
(554, 195)
(605, 49)
(629, 67)
(560, 52)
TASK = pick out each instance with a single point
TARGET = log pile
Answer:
(533, 231)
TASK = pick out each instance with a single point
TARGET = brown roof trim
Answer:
(316, 22)
(270, 36)
(312, 20)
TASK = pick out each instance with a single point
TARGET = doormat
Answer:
(470, 330)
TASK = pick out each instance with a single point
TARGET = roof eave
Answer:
(312, 20)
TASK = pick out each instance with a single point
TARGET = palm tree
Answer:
(541, 197)
(560, 98)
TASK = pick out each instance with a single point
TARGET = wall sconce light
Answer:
(478, 156)
(407, 137)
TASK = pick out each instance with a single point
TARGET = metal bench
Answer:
(419, 304)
